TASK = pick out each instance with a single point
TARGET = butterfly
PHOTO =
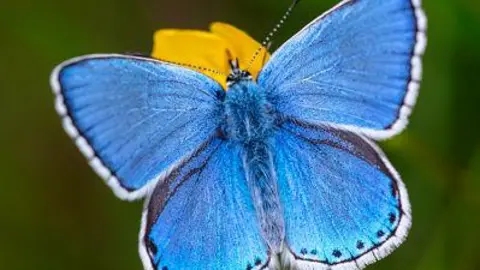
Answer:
(279, 170)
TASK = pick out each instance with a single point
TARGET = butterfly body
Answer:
(250, 123)
(272, 172)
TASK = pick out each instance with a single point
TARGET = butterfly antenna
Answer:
(268, 39)
(195, 67)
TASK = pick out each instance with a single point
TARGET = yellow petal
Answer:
(192, 48)
(205, 51)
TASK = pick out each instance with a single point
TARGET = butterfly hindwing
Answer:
(202, 216)
(357, 66)
(134, 118)
(344, 204)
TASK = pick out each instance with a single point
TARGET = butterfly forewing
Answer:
(133, 117)
(357, 67)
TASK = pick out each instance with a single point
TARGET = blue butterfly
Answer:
(278, 172)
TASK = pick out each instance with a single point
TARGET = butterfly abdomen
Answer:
(261, 178)
(249, 121)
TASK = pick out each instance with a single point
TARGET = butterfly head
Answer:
(236, 74)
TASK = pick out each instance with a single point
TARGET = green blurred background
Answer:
(56, 214)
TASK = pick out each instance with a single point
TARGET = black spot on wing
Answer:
(392, 218)
(360, 245)
(152, 247)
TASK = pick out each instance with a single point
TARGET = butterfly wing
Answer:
(134, 118)
(344, 204)
(202, 216)
(357, 67)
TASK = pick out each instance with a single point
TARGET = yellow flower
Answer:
(209, 50)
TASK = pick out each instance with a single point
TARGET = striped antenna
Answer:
(268, 39)
(191, 66)
(213, 71)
